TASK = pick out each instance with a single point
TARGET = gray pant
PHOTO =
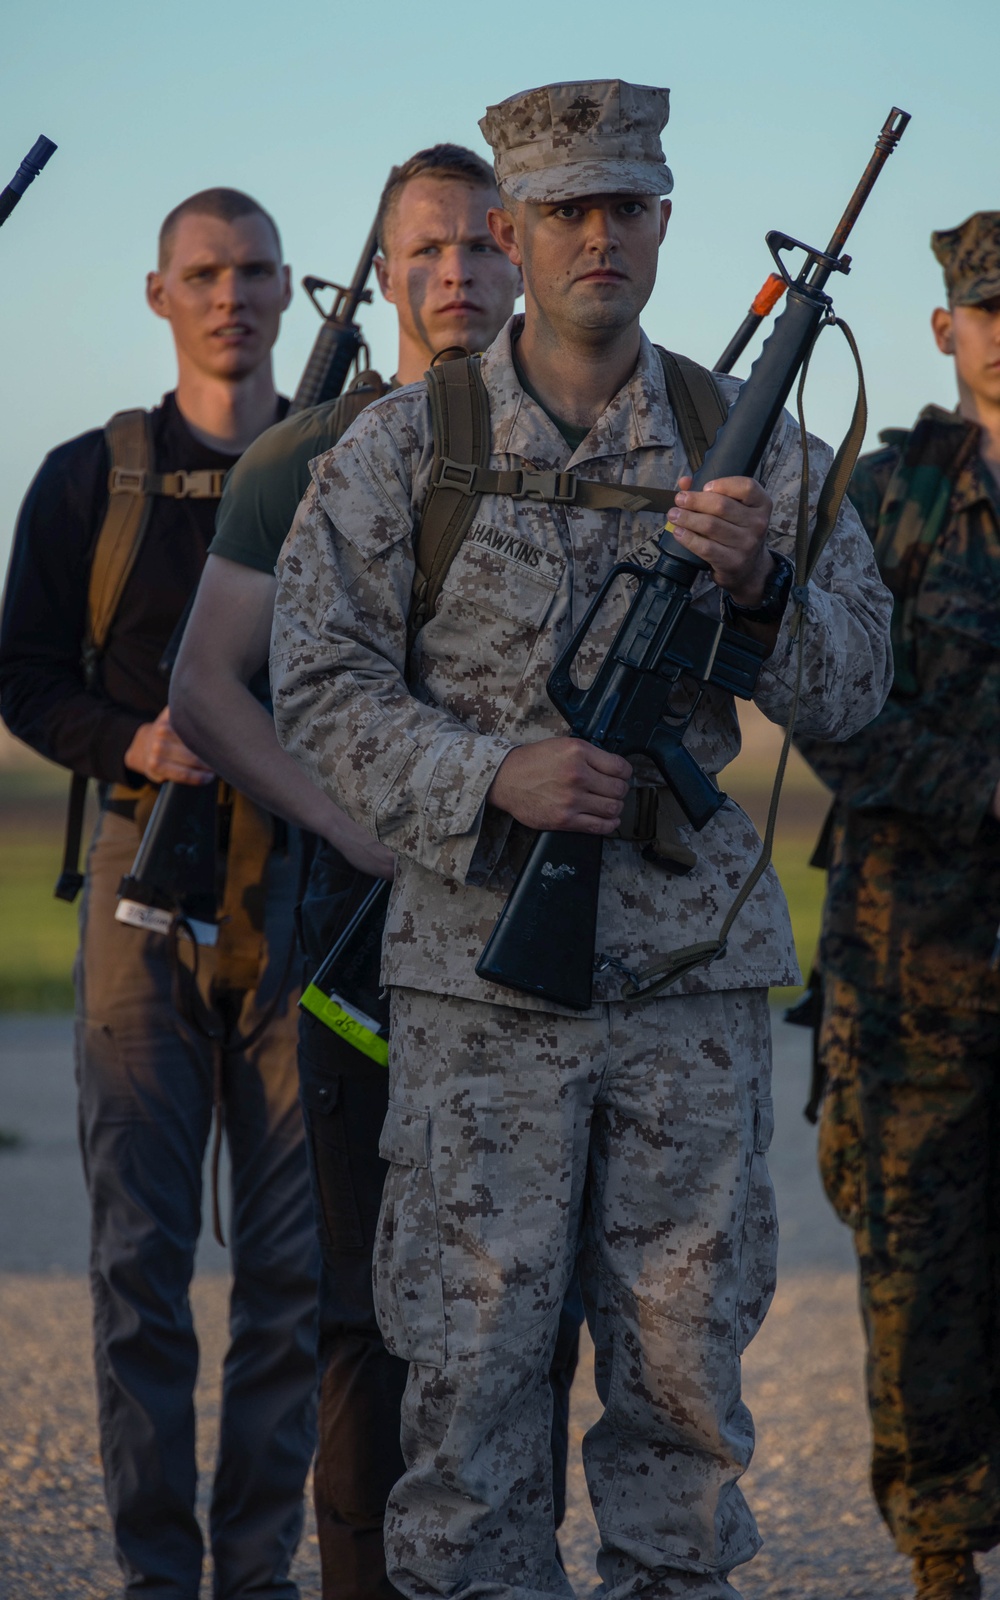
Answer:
(145, 1085)
(514, 1136)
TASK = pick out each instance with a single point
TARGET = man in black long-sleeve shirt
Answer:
(145, 1071)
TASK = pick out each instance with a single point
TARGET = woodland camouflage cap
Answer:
(970, 255)
(572, 139)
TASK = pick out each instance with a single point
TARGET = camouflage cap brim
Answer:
(974, 294)
(579, 178)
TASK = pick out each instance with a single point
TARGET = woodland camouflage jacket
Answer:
(913, 898)
(412, 759)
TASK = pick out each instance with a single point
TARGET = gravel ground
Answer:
(823, 1538)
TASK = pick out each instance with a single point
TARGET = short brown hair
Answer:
(438, 161)
(226, 204)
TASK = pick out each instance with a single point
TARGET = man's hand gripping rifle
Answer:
(543, 942)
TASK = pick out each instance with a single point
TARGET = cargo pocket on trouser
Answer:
(409, 1294)
(759, 1251)
(841, 1154)
(339, 1216)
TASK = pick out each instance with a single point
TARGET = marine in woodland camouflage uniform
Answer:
(910, 1035)
(516, 1129)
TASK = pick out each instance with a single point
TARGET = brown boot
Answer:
(946, 1575)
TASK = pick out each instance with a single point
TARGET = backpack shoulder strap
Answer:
(132, 484)
(460, 475)
(696, 401)
(130, 449)
(367, 386)
(460, 413)
(129, 441)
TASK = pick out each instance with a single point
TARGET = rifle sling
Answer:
(669, 968)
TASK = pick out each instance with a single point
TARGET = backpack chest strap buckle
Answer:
(552, 488)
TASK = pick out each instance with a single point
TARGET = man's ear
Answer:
(384, 277)
(155, 297)
(943, 328)
(286, 288)
(666, 206)
(503, 227)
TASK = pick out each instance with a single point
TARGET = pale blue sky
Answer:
(774, 113)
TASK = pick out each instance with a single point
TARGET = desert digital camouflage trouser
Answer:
(909, 1156)
(516, 1138)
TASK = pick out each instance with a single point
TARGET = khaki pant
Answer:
(517, 1139)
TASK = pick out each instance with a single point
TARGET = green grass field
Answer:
(38, 932)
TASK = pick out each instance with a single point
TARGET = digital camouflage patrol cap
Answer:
(572, 139)
(970, 255)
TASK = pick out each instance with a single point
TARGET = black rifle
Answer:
(339, 340)
(543, 942)
(26, 173)
(175, 867)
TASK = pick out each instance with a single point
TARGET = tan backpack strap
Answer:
(460, 412)
(130, 447)
(697, 402)
(132, 484)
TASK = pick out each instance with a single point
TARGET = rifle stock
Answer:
(543, 943)
(538, 946)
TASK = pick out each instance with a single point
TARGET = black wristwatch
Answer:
(774, 599)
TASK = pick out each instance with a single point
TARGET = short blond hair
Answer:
(437, 161)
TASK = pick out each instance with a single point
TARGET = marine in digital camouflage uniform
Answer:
(909, 1123)
(517, 1131)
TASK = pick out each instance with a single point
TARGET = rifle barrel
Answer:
(26, 173)
(892, 131)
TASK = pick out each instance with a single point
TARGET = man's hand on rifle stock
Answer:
(726, 525)
(158, 754)
(563, 784)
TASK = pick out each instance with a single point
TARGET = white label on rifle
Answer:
(153, 919)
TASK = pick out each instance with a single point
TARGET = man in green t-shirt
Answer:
(451, 285)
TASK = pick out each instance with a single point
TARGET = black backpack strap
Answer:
(70, 880)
